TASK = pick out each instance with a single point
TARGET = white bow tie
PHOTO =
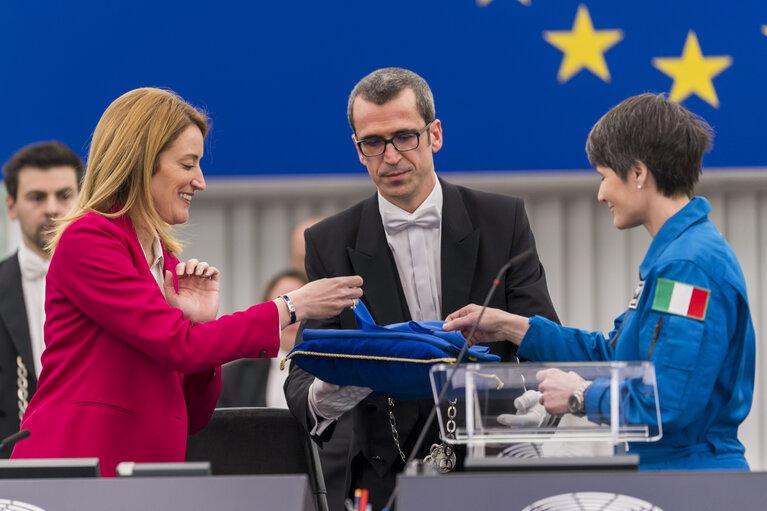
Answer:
(427, 218)
(33, 267)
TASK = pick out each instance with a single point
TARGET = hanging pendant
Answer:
(441, 457)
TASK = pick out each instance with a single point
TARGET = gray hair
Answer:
(383, 85)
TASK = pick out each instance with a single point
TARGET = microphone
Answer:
(12, 439)
(521, 257)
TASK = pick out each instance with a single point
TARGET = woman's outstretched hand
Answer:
(324, 298)
(198, 290)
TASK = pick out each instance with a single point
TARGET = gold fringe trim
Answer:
(449, 360)
(491, 377)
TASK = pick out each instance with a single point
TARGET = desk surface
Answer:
(667, 491)
(268, 493)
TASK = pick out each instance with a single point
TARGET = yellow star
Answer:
(764, 29)
(692, 72)
(583, 47)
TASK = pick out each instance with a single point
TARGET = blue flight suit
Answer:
(704, 367)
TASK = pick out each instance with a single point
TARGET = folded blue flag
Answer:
(392, 360)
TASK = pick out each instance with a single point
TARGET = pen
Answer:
(364, 499)
(357, 495)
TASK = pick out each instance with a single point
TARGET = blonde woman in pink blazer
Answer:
(133, 346)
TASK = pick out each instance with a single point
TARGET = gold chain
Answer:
(394, 433)
(445, 461)
(22, 383)
(450, 424)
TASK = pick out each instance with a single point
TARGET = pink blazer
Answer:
(125, 377)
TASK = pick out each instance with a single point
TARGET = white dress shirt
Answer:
(275, 395)
(33, 271)
(414, 264)
(404, 247)
(157, 265)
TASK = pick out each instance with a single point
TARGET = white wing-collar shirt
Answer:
(416, 244)
(33, 271)
(417, 252)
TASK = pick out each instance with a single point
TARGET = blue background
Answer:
(275, 76)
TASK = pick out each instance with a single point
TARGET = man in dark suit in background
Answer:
(424, 248)
(42, 182)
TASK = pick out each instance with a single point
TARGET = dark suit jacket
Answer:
(480, 233)
(14, 341)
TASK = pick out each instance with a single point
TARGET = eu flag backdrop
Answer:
(517, 83)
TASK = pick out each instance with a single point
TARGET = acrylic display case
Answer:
(621, 404)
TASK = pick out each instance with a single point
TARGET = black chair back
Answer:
(243, 441)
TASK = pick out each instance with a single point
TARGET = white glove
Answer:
(530, 412)
(332, 401)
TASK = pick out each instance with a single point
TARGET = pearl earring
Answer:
(639, 187)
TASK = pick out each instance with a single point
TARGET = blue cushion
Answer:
(392, 360)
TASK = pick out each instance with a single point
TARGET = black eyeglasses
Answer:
(376, 146)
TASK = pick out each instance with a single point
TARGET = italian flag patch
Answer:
(680, 299)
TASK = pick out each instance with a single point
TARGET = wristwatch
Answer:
(576, 404)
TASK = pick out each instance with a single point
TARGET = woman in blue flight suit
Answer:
(689, 314)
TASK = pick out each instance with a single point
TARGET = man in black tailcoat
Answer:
(424, 248)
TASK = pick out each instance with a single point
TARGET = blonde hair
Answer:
(132, 132)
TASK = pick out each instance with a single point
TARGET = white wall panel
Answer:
(757, 291)
(273, 255)
(718, 213)
(305, 209)
(579, 264)
(741, 221)
(614, 286)
(546, 216)
(243, 227)
(243, 231)
(208, 237)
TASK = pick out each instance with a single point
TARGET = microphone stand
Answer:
(12, 439)
(422, 436)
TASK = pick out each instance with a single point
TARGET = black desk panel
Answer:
(257, 493)
(666, 491)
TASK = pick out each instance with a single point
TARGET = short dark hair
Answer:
(383, 85)
(669, 139)
(41, 155)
